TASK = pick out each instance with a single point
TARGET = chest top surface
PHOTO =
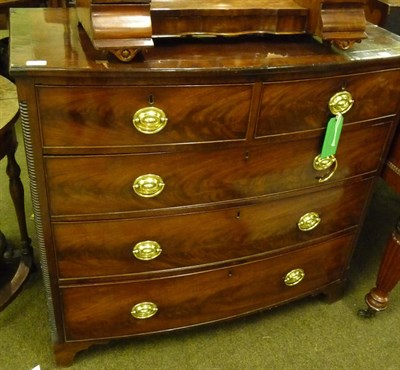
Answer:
(51, 42)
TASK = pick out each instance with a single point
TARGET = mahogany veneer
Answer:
(132, 224)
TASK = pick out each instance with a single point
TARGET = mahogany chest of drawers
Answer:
(187, 186)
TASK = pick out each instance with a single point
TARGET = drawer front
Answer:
(103, 184)
(374, 94)
(104, 311)
(160, 243)
(83, 116)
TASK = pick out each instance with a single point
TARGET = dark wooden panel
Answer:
(105, 247)
(100, 117)
(102, 311)
(304, 105)
(102, 184)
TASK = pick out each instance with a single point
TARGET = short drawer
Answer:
(98, 249)
(289, 107)
(104, 311)
(100, 116)
(103, 184)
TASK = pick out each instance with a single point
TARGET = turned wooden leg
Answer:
(17, 195)
(388, 276)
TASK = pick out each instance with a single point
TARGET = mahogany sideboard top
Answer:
(188, 186)
(49, 41)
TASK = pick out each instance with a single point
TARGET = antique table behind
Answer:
(221, 207)
(386, 13)
(15, 263)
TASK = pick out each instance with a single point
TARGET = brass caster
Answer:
(369, 313)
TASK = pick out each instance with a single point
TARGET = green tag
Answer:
(332, 136)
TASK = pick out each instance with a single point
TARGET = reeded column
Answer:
(388, 276)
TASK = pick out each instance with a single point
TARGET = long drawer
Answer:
(105, 311)
(153, 244)
(80, 185)
(106, 115)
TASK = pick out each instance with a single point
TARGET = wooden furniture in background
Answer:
(187, 187)
(6, 5)
(15, 265)
(389, 270)
(387, 14)
(57, 3)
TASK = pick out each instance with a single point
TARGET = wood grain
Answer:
(104, 311)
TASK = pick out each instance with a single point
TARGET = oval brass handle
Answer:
(149, 120)
(144, 310)
(148, 186)
(341, 102)
(321, 164)
(147, 250)
(309, 221)
(294, 277)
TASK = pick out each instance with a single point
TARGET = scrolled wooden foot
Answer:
(125, 55)
(344, 44)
